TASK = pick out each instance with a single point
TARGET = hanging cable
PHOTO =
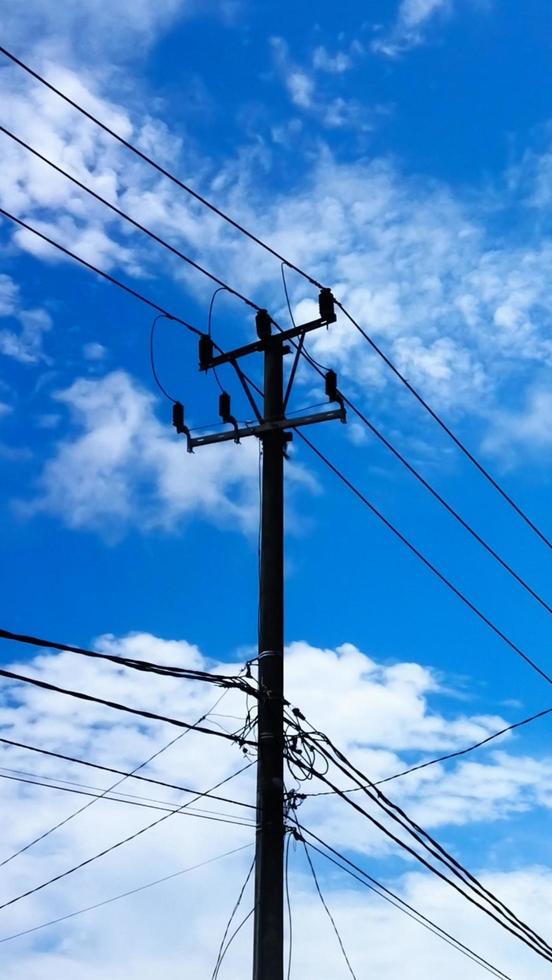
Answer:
(448, 756)
(433, 568)
(349, 867)
(120, 843)
(127, 894)
(233, 913)
(121, 772)
(290, 265)
(158, 382)
(327, 911)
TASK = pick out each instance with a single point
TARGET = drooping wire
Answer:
(129, 801)
(121, 772)
(447, 757)
(126, 217)
(234, 934)
(290, 265)
(349, 867)
(432, 568)
(497, 911)
(127, 894)
(120, 843)
(117, 706)
(233, 913)
(327, 910)
(288, 907)
(160, 316)
(109, 789)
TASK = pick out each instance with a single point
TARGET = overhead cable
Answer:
(11, 675)
(127, 217)
(127, 894)
(186, 673)
(358, 873)
(120, 772)
(82, 864)
(290, 265)
(433, 568)
(446, 757)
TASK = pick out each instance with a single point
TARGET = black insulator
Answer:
(224, 406)
(263, 323)
(331, 386)
(205, 351)
(326, 305)
(178, 417)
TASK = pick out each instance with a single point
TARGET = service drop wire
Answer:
(512, 924)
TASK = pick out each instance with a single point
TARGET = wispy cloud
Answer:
(409, 30)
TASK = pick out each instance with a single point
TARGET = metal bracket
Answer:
(264, 427)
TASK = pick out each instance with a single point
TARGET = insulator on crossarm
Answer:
(263, 322)
(178, 417)
(326, 305)
(206, 348)
(224, 406)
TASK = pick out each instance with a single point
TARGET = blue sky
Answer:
(401, 154)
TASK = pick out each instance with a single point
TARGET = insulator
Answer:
(326, 305)
(331, 386)
(178, 417)
(263, 323)
(224, 406)
(205, 352)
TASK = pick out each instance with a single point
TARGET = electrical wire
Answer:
(99, 272)
(120, 772)
(290, 265)
(433, 568)
(448, 756)
(437, 418)
(233, 913)
(327, 911)
(234, 681)
(201, 815)
(421, 836)
(399, 903)
(448, 507)
(498, 911)
(119, 707)
(127, 217)
(235, 933)
(109, 789)
(288, 907)
(157, 379)
(82, 864)
(127, 894)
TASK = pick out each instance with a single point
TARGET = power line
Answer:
(120, 707)
(152, 163)
(144, 665)
(399, 903)
(104, 795)
(498, 911)
(109, 789)
(437, 418)
(120, 843)
(99, 272)
(327, 911)
(120, 772)
(444, 758)
(290, 265)
(433, 568)
(448, 507)
(288, 907)
(233, 913)
(127, 217)
(127, 894)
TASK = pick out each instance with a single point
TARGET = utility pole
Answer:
(268, 950)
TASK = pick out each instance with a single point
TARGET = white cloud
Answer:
(25, 343)
(408, 30)
(527, 429)
(186, 917)
(335, 64)
(120, 466)
(94, 351)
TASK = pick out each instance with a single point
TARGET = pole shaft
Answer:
(269, 885)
